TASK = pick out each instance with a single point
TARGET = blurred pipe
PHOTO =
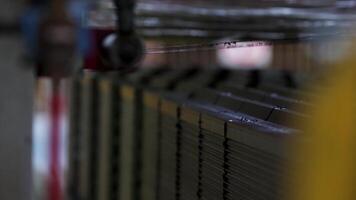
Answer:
(56, 110)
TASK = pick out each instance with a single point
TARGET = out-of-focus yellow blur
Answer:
(325, 168)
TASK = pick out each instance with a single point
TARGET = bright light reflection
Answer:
(245, 57)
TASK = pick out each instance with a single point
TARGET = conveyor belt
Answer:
(162, 134)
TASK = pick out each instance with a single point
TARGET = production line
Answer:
(190, 134)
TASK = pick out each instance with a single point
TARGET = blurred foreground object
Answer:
(56, 57)
(57, 42)
(129, 46)
(326, 162)
(31, 19)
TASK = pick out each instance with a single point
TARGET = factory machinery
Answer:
(187, 134)
(188, 129)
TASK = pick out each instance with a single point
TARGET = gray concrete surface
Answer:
(16, 90)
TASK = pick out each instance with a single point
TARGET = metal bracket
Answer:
(128, 47)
